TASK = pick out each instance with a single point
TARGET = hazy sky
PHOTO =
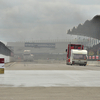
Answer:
(22, 20)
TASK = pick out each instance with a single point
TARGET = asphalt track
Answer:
(31, 81)
(50, 78)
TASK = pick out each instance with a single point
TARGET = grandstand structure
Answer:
(90, 28)
(4, 50)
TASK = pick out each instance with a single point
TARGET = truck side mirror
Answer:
(66, 50)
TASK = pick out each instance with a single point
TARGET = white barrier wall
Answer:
(93, 62)
(7, 58)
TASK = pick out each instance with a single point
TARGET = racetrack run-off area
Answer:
(30, 81)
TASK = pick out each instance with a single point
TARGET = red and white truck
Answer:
(76, 55)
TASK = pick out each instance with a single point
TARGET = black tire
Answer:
(67, 64)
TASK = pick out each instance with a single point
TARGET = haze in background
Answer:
(26, 20)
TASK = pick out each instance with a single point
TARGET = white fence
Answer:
(7, 58)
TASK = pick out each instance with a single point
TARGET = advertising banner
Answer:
(1, 65)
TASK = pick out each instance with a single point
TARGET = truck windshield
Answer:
(79, 56)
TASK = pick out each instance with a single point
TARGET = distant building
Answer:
(47, 49)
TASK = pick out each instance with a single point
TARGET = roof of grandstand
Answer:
(89, 28)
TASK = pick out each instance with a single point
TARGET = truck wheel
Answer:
(84, 64)
(67, 64)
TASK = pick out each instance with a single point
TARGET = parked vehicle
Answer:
(27, 56)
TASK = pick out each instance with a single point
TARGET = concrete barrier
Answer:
(1, 65)
(93, 63)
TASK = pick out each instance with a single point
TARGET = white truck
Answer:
(78, 57)
(27, 56)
